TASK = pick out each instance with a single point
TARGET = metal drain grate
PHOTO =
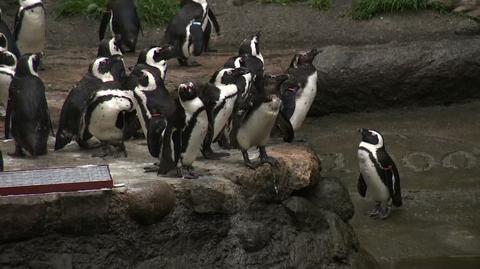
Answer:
(89, 177)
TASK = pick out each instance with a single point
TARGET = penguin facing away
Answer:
(122, 18)
(305, 74)
(379, 176)
(191, 130)
(30, 27)
(8, 63)
(185, 32)
(11, 45)
(101, 73)
(27, 109)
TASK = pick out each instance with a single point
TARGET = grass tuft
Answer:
(151, 12)
(366, 9)
(320, 4)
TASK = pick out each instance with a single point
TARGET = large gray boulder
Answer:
(374, 77)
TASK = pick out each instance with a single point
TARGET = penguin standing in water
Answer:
(191, 124)
(105, 117)
(305, 75)
(101, 73)
(8, 63)
(11, 45)
(122, 18)
(185, 32)
(27, 109)
(219, 97)
(209, 21)
(30, 27)
(378, 174)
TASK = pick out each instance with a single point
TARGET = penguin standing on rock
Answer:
(185, 32)
(304, 74)
(191, 127)
(30, 27)
(122, 18)
(378, 174)
(101, 73)
(11, 45)
(8, 63)
(27, 109)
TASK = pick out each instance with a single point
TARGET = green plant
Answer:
(320, 4)
(151, 12)
(366, 9)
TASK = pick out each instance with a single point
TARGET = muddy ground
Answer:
(439, 219)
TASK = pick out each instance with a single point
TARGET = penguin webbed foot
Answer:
(300, 140)
(264, 158)
(246, 160)
(374, 212)
(151, 168)
(379, 211)
(209, 154)
(186, 172)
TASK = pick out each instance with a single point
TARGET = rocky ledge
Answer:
(285, 217)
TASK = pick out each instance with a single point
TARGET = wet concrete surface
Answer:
(437, 151)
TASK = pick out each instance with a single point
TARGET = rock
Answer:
(150, 204)
(305, 214)
(253, 236)
(374, 77)
(469, 27)
(330, 194)
(211, 198)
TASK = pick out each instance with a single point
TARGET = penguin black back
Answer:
(11, 44)
(123, 16)
(27, 108)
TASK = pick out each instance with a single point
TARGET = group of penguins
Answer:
(239, 107)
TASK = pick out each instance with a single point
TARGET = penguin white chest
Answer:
(376, 190)
(31, 37)
(6, 76)
(195, 140)
(256, 130)
(228, 96)
(304, 101)
(104, 117)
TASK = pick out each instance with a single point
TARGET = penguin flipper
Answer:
(16, 24)
(154, 137)
(214, 21)
(361, 186)
(396, 191)
(8, 114)
(103, 24)
(285, 127)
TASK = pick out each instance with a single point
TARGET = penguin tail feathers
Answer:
(61, 140)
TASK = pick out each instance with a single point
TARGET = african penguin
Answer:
(8, 63)
(105, 119)
(122, 18)
(101, 74)
(209, 21)
(305, 74)
(1, 162)
(11, 44)
(27, 110)
(110, 47)
(219, 97)
(30, 27)
(191, 131)
(153, 106)
(155, 60)
(378, 174)
(185, 32)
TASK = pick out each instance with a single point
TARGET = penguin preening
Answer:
(8, 63)
(305, 75)
(122, 18)
(105, 119)
(219, 97)
(30, 27)
(110, 47)
(11, 45)
(185, 32)
(379, 178)
(27, 109)
(191, 124)
(101, 73)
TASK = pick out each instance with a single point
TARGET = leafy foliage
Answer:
(152, 12)
(365, 9)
